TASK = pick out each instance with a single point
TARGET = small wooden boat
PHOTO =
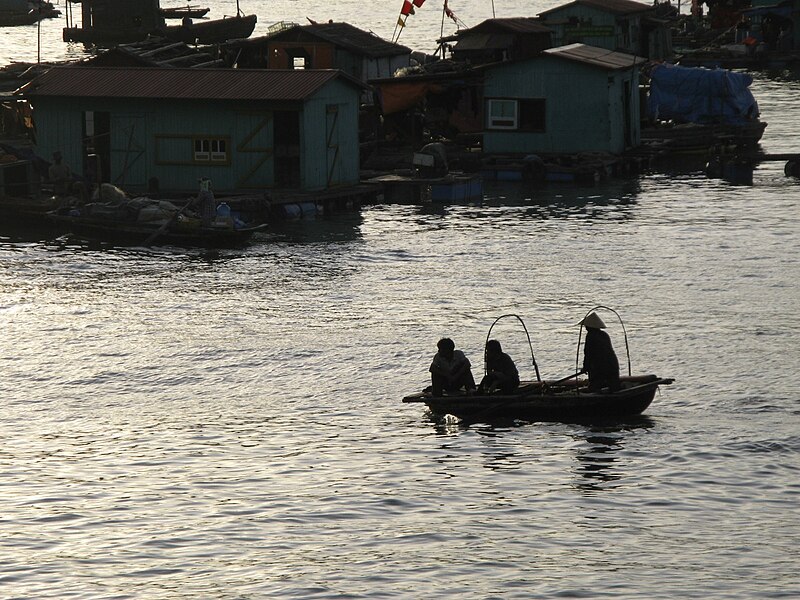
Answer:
(548, 401)
(216, 31)
(140, 234)
(566, 400)
(17, 12)
(12, 19)
(179, 12)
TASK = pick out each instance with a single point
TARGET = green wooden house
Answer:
(570, 99)
(620, 25)
(245, 129)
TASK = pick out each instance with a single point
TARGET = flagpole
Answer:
(39, 38)
(401, 30)
(441, 31)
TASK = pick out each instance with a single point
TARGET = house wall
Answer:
(330, 123)
(584, 107)
(614, 33)
(154, 138)
(321, 55)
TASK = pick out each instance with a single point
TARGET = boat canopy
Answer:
(699, 95)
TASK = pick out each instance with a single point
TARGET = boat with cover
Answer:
(693, 109)
(114, 217)
(565, 400)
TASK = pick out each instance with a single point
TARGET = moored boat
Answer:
(212, 32)
(107, 22)
(146, 234)
(114, 217)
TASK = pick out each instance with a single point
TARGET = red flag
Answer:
(407, 9)
(418, 3)
(450, 13)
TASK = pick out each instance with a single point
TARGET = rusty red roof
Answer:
(180, 84)
(512, 24)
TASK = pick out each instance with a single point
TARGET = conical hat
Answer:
(593, 321)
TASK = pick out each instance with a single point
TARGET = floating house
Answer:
(570, 99)
(776, 24)
(245, 129)
(496, 40)
(620, 25)
(361, 54)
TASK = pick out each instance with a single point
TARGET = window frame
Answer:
(492, 120)
(214, 150)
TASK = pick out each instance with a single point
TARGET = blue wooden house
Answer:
(621, 25)
(570, 99)
(247, 130)
(776, 23)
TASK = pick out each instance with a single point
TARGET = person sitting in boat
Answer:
(599, 359)
(501, 372)
(60, 175)
(205, 203)
(450, 370)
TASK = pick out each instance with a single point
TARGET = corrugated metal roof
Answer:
(194, 84)
(485, 41)
(598, 57)
(618, 7)
(512, 24)
(354, 39)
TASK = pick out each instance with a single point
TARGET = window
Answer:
(532, 114)
(502, 114)
(211, 150)
(298, 58)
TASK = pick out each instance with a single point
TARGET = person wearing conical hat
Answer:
(599, 359)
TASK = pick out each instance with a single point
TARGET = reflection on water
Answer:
(333, 228)
(598, 464)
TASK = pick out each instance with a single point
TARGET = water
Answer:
(188, 424)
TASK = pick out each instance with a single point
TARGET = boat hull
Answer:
(547, 401)
(138, 234)
(201, 32)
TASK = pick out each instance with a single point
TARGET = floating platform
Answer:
(454, 188)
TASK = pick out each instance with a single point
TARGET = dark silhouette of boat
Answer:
(548, 401)
(567, 400)
(107, 23)
(146, 234)
(27, 14)
(214, 31)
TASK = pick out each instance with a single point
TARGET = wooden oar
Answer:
(563, 379)
(152, 237)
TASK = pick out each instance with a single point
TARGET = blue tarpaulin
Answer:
(698, 95)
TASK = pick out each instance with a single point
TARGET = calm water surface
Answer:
(183, 424)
